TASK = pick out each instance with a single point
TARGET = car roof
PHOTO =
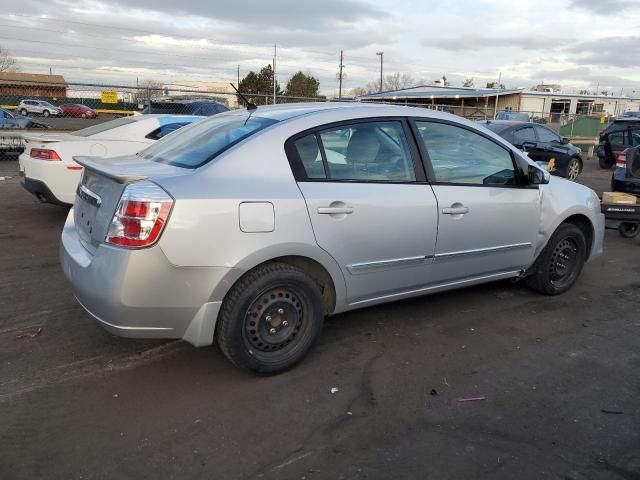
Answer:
(290, 111)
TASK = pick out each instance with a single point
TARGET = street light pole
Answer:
(380, 54)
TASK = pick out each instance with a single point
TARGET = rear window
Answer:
(201, 142)
(103, 127)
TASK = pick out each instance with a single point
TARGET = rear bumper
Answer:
(53, 180)
(620, 182)
(41, 191)
(138, 293)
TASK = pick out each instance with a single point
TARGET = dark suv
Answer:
(626, 175)
(617, 137)
(205, 108)
(543, 145)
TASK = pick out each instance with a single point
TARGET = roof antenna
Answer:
(250, 106)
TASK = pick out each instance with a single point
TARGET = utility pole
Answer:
(495, 109)
(238, 84)
(274, 73)
(380, 54)
(340, 76)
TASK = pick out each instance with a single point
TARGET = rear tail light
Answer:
(140, 217)
(44, 154)
(621, 159)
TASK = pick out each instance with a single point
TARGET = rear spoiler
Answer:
(100, 166)
(43, 137)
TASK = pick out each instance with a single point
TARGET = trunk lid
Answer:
(101, 187)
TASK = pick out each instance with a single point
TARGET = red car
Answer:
(77, 110)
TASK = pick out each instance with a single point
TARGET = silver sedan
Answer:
(251, 226)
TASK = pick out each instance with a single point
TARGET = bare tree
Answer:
(8, 63)
(149, 88)
(398, 81)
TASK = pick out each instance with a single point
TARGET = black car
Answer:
(626, 175)
(205, 108)
(543, 145)
(621, 134)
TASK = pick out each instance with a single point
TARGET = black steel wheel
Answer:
(270, 318)
(559, 264)
(629, 230)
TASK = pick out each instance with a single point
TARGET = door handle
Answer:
(455, 210)
(335, 210)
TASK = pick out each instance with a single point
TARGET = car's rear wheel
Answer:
(559, 264)
(629, 230)
(270, 318)
(24, 112)
(574, 167)
(84, 115)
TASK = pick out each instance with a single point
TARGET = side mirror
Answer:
(537, 176)
(565, 140)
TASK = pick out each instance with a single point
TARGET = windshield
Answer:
(496, 127)
(201, 142)
(103, 127)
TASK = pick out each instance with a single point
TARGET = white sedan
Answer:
(47, 164)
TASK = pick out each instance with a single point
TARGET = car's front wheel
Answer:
(46, 113)
(270, 318)
(559, 264)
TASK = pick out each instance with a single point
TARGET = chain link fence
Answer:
(70, 106)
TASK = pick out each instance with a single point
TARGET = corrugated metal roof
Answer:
(435, 91)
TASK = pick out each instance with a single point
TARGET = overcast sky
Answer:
(577, 43)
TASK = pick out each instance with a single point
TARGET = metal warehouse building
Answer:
(484, 103)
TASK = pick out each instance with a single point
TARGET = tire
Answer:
(84, 115)
(24, 112)
(46, 113)
(559, 264)
(270, 318)
(629, 230)
(573, 169)
(605, 163)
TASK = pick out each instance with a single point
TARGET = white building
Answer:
(547, 103)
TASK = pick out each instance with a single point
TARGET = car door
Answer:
(488, 219)
(551, 143)
(369, 204)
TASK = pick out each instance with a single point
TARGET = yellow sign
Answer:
(551, 166)
(109, 97)
(602, 119)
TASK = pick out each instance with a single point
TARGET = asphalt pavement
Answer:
(554, 380)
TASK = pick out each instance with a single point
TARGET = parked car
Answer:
(78, 110)
(186, 107)
(251, 226)
(47, 164)
(14, 120)
(38, 107)
(543, 145)
(626, 175)
(631, 115)
(617, 137)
